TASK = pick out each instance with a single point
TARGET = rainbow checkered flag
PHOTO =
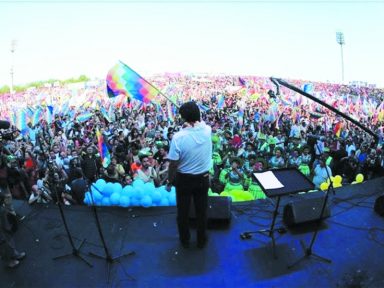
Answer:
(103, 150)
(121, 79)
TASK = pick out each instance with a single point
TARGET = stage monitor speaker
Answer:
(305, 208)
(219, 210)
(379, 205)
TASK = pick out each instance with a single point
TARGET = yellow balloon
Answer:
(359, 178)
(338, 179)
(324, 186)
(337, 185)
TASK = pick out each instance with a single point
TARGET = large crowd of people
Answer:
(55, 158)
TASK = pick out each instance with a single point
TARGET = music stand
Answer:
(293, 182)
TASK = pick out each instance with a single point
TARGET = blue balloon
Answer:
(172, 200)
(146, 201)
(87, 198)
(156, 197)
(105, 201)
(100, 184)
(117, 188)
(95, 196)
(164, 202)
(164, 193)
(124, 201)
(172, 193)
(127, 190)
(149, 188)
(135, 201)
(108, 189)
(139, 193)
(137, 183)
(115, 198)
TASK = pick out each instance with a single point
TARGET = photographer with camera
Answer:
(56, 179)
(40, 192)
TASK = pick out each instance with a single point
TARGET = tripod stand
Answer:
(268, 232)
(75, 250)
(292, 182)
(108, 257)
(308, 250)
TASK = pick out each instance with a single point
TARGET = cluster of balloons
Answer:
(236, 195)
(337, 181)
(137, 194)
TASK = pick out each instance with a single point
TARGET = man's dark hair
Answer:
(190, 112)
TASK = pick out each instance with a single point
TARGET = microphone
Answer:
(4, 124)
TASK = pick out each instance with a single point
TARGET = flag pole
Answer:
(161, 93)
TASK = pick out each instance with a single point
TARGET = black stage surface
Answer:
(353, 238)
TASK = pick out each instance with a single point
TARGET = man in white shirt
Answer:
(190, 157)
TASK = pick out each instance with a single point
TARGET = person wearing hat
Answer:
(263, 145)
(190, 156)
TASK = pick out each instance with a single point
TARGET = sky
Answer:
(286, 39)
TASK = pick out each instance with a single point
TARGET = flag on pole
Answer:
(240, 117)
(36, 116)
(220, 101)
(84, 117)
(103, 150)
(123, 80)
(171, 112)
(49, 114)
(337, 128)
(21, 121)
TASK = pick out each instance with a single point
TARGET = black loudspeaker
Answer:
(305, 208)
(379, 205)
(219, 210)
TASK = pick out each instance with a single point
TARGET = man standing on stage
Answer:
(190, 155)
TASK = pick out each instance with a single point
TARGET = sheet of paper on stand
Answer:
(268, 180)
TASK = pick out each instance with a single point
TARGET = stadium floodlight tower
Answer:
(13, 49)
(341, 41)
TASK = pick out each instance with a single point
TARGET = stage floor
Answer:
(353, 238)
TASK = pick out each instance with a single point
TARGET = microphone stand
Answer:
(108, 257)
(308, 250)
(75, 250)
